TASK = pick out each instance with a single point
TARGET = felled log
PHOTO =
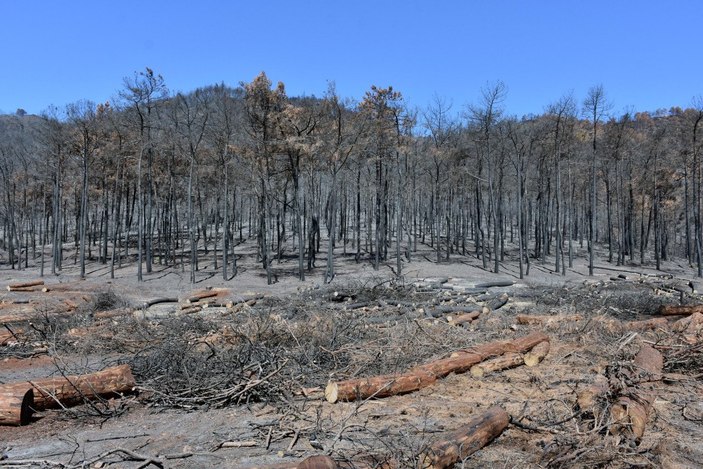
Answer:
(378, 386)
(439, 311)
(630, 412)
(495, 283)
(462, 360)
(157, 301)
(191, 309)
(24, 285)
(196, 297)
(503, 362)
(647, 324)
(424, 375)
(326, 462)
(72, 390)
(465, 441)
(537, 354)
(463, 318)
(497, 303)
(16, 406)
(528, 319)
(680, 310)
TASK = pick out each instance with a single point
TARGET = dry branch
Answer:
(72, 390)
(460, 444)
(16, 406)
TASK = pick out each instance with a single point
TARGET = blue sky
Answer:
(647, 54)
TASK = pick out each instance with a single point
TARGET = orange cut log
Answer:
(462, 443)
(16, 286)
(680, 310)
(72, 390)
(424, 375)
(16, 406)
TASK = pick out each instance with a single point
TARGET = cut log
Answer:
(157, 301)
(537, 354)
(326, 462)
(680, 310)
(16, 406)
(378, 386)
(462, 443)
(34, 283)
(647, 324)
(196, 297)
(463, 360)
(495, 283)
(424, 375)
(463, 318)
(528, 319)
(72, 390)
(504, 362)
(497, 303)
(192, 309)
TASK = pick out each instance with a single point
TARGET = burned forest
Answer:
(236, 277)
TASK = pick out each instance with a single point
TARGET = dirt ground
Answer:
(240, 386)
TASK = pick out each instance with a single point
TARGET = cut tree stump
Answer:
(424, 375)
(24, 285)
(16, 406)
(73, 390)
(680, 310)
(460, 444)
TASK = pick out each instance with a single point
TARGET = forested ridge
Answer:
(170, 179)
